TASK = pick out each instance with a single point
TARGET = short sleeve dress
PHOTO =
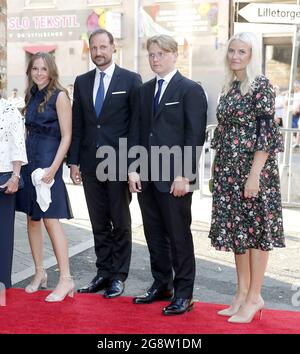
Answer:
(245, 125)
(42, 142)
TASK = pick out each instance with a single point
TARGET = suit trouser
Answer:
(7, 217)
(167, 220)
(108, 206)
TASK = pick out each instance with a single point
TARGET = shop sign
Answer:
(59, 25)
(270, 13)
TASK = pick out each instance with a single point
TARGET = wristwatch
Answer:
(14, 174)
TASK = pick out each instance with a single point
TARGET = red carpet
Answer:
(91, 313)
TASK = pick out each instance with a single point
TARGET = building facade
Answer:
(62, 27)
(275, 27)
(201, 28)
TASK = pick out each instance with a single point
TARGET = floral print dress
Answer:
(246, 125)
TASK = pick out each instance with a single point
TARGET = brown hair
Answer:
(102, 31)
(53, 77)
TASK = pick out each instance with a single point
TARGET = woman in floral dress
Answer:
(246, 212)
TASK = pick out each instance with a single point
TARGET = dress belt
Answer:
(36, 130)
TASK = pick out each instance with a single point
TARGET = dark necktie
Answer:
(157, 96)
(100, 95)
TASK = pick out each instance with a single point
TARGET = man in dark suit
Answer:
(171, 117)
(102, 109)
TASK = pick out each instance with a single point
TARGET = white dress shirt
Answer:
(12, 136)
(106, 80)
(296, 102)
(165, 84)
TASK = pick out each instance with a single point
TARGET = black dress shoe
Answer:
(178, 306)
(152, 295)
(116, 289)
(97, 284)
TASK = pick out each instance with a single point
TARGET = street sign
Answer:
(271, 13)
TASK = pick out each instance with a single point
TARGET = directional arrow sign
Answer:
(271, 13)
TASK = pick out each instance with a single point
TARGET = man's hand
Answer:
(134, 182)
(180, 187)
(75, 175)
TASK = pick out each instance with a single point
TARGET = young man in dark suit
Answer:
(102, 110)
(171, 116)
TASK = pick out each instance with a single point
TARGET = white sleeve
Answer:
(16, 134)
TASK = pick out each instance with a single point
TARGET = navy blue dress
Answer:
(43, 139)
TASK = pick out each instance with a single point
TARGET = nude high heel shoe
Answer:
(69, 290)
(42, 283)
(231, 310)
(247, 319)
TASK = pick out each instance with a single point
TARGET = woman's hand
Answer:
(12, 185)
(252, 186)
(48, 175)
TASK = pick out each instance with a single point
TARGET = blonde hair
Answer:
(53, 77)
(253, 69)
(165, 42)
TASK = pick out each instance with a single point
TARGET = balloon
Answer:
(92, 22)
(102, 21)
(203, 9)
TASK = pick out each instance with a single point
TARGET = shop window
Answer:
(40, 3)
(277, 57)
(103, 2)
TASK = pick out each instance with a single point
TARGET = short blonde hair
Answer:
(165, 42)
(253, 68)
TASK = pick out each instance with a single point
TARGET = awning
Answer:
(32, 49)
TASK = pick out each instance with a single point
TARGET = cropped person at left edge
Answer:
(12, 156)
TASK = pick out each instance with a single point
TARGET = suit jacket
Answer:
(91, 132)
(179, 123)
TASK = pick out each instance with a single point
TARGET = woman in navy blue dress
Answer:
(48, 120)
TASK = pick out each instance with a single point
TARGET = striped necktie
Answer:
(157, 96)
